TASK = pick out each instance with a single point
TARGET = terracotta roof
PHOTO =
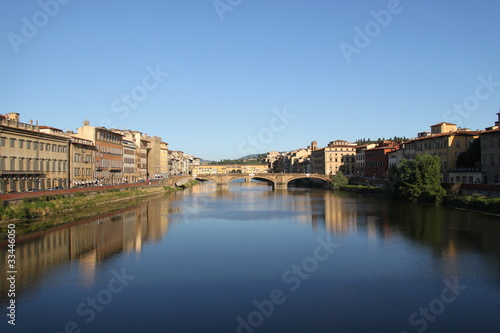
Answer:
(445, 123)
(432, 136)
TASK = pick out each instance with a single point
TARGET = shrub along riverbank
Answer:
(479, 203)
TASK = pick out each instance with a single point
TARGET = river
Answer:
(250, 259)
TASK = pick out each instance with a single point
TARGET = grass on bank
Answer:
(45, 205)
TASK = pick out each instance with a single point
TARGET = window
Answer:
(2, 163)
(2, 141)
(28, 144)
(21, 143)
(12, 142)
(457, 144)
(47, 147)
(13, 163)
(41, 145)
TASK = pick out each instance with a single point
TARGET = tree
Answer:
(339, 180)
(419, 179)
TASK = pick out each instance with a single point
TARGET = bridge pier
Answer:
(280, 186)
(222, 186)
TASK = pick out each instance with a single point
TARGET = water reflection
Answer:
(392, 226)
(88, 242)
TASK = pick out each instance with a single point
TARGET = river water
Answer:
(249, 259)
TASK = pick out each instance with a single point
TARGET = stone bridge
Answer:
(279, 180)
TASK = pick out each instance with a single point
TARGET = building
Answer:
(129, 162)
(164, 156)
(490, 153)
(377, 160)
(30, 158)
(395, 157)
(109, 155)
(445, 141)
(82, 162)
(360, 163)
(154, 155)
(339, 155)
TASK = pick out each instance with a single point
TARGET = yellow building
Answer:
(445, 141)
(164, 166)
(82, 162)
(31, 159)
(339, 155)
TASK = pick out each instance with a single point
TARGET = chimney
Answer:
(13, 116)
(86, 122)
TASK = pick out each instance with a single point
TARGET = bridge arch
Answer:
(324, 178)
(280, 181)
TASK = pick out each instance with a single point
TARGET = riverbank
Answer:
(476, 203)
(47, 211)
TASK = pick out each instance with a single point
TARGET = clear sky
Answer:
(221, 79)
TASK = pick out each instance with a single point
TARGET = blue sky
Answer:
(236, 77)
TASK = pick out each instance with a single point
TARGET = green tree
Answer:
(339, 180)
(419, 179)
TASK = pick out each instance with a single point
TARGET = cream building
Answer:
(339, 155)
(164, 156)
(31, 159)
(82, 162)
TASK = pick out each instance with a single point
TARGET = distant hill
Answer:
(248, 159)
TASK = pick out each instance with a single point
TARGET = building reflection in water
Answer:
(92, 241)
(87, 242)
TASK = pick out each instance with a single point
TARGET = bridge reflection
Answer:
(94, 241)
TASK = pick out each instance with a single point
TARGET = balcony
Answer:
(21, 173)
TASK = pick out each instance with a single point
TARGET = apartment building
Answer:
(109, 155)
(490, 153)
(377, 159)
(445, 141)
(360, 163)
(164, 156)
(129, 161)
(82, 162)
(31, 159)
(154, 155)
(338, 155)
(141, 152)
